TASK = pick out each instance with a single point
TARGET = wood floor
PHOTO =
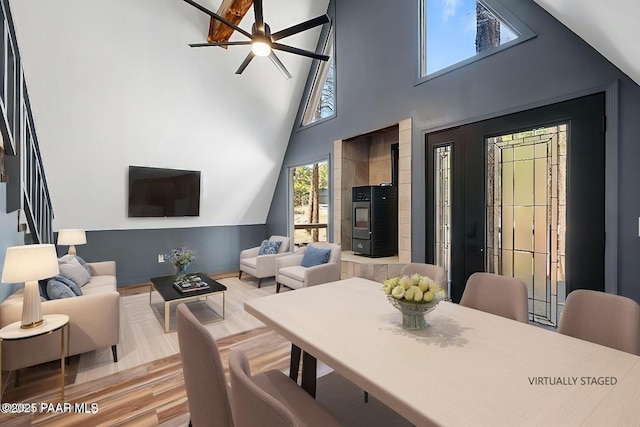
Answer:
(146, 386)
(151, 394)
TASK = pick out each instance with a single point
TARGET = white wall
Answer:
(114, 83)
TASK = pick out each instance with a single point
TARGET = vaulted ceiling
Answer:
(113, 83)
(611, 27)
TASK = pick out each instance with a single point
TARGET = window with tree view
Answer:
(321, 102)
(310, 203)
(456, 32)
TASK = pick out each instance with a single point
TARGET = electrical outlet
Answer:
(160, 258)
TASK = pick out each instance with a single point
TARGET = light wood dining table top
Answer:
(468, 368)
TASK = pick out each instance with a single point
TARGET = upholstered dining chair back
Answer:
(496, 294)
(272, 399)
(434, 272)
(252, 405)
(605, 319)
(205, 383)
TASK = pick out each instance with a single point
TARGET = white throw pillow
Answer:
(73, 270)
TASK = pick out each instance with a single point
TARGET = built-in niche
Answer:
(368, 159)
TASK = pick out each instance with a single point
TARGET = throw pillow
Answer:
(268, 247)
(67, 257)
(70, 284)
(58, 290)
(42, 285)
(315, 256)
(71, 269)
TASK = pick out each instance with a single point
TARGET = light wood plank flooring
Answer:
(142, 336)
(146, 386)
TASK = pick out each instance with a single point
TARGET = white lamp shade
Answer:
(72, 237)
(30, 262)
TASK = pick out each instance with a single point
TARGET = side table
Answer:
(52, 323)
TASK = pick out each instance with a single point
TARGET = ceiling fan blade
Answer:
(297, 51)
(241, 43)
(257, 9)
(218, 17)
(304, 26)
(245, 63)
(280, 65)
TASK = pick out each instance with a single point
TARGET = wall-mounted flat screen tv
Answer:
(156, 192)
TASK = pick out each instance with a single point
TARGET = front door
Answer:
(522, 195)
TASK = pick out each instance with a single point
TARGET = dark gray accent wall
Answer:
(136, 251)
(376, 63)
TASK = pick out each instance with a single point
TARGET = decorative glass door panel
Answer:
(526, 213)
(442, 203)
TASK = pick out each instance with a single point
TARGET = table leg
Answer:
(223, 304)
(309, 373)
(294, 362)
(166, 316)
(62, 357)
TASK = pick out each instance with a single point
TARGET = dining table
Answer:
(467, 368)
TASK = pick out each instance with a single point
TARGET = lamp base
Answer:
(31, 306)
(32, 325)
(72, 250)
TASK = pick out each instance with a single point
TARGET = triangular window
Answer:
(457, 32)
(321, 100)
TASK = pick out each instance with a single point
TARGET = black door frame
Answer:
(473, 233)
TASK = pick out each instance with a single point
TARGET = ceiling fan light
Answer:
(260, 48)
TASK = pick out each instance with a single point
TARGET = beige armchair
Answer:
(291, 273)
(261, 266)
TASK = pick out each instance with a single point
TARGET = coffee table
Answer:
(164, 286)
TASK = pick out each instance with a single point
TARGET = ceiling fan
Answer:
(262, 41)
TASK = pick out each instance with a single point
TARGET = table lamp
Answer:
(29, 264)
(72, 237)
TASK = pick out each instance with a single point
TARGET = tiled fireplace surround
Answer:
(366, 160)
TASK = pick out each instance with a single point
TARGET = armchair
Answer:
(290, 272)
(261, 266)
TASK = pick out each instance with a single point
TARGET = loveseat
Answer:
(94, 321)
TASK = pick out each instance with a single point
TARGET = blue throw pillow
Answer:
(315, 256)
(269, 248)
(58, 290)
(42, 285)
(70, 284)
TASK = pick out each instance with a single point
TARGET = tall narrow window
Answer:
(310, 197)
(321, 102)
(454, 33)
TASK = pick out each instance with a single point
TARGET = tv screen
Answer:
(155, 192)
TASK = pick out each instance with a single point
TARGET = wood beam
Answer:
(232, 10)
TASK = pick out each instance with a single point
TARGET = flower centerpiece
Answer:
(414, 296)
(181, 257)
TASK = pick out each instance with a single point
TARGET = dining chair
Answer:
(606, 319)
(204, 379)
(272, 399)
(434, 272)
(501, 295)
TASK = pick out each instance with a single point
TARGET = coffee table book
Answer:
(190, 283)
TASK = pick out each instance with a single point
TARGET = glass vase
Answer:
(413, 313)
(181, 269)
